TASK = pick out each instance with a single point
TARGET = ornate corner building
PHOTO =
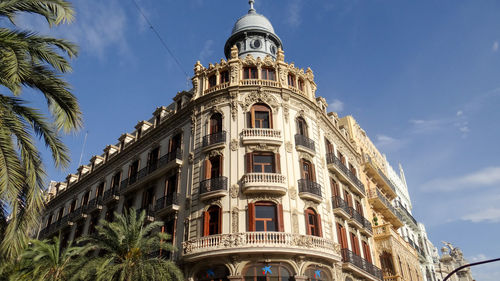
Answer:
(250, 174)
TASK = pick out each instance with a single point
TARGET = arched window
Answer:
(313, 223)
(260, 116)
(328, 146)
(215, 123)
(212, 81)
(307, 170)
(267, 272)
(301, 127)
(213, 167)
(387, 264)
(212, 221)
(213, 273)
(315, 273)
(265, 216)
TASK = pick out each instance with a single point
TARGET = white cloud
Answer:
(387, 143)
(207, 50)
(336, 106)
(460, 113)
(485, 215)
(426, 126)
(293, 16)
(495, 46)
(485, 177)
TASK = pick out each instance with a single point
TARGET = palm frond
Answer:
(54, 11)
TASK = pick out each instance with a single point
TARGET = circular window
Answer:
(256, 44)
(273, 50)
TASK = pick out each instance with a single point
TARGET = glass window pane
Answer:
(268, 169)
(259, 225)
(271, 226)
(257, 169)
(265, 212)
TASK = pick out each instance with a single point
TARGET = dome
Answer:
(252, 21)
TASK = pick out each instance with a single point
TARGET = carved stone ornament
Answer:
(234, 52)
(234, 219)
(234, 144)
(286, 111)
(288, 147)
(263, 147)
(292, 192)
(234, 190)
(191, 157)
(295, 223)
(234, 105)
(216, 101)
(259, 96)
(215, 152)
(266, 197)
(235, 72)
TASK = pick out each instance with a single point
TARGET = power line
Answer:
(160, 38)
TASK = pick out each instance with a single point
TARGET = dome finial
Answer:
(252, 10)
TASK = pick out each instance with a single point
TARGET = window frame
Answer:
(250, 72)
(276, 162)
(313, 229)
(278, 209)
(259, 107)
(267, 72)
(207, 215)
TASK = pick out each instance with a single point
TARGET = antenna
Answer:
(83, 148)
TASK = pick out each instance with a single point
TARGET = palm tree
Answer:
(125, 250)
(48, 261)
(28, 60)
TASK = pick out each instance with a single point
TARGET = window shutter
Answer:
(308, 227)
(339, 235)
(313, 172)
(320, 228)
(251, 217)
(252, 117)
(219, 222)
(221, 165)
(206, 221)
(208, 168)
(277, 163)
(249, 160)
(281, 227)
(344, 237)
(170, 145)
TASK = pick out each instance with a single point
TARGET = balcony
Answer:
(78, 214)
(212, 188)
(260, 243)
(304, 143)
(155, 169)
(310, 190)
(150, 214)
(360, 266)
(216, 88)
(65, 221)
(379, 177)
(94, 204)
(167, 204)
(259, 82)
(264, 183)
(358, 220)
(381, 204)
(112, 194)
(261, 135)
(408, 218)
(340, 207)
(214, 140)
(336, 166)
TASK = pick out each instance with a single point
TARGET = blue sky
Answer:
(421, 77)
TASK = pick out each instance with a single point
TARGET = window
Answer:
(366, 251)
(267, 272)
(335, 187)
(175, 143)
(355, 244)
(179, 104)
(301, 84)
(224, 76)
(263, 162)
(315, 273)
(313, 223)
(85, 198)
(110, 213)
(213, 167)
(328, 146)
(94, 220)
(260, 116)
(115, 182)
(212, 221)
(291, 80)
(153, 158)
(215, 123)
(79, 230)
(302, 127)
(132, 172)
(359, 207)
(72, 207)
(386, 264)
(348, 198)
(265, 216)
(213, 273)
(128, 203)
(212, 81)
(352, 169)
(341, 157)
(268, 74)
(49, 220)
(342, 236)
(100, 190)
(249, 73)
(307, 170)
(148, 198)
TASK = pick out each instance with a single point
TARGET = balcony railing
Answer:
(309, 186)
(405, 212)
(377, 172)
(339, 203)
(111, 193)
(350, 257)
(216, 88)
(305, 142)
(259, 82)
(261, 132)
(332, 159)
(274, 241)
(213, 184)
(357, 216)
(77, 214)
(219, 137)
(166, 201)
(375, 193)
(264, 178)
(95, 203)
(163, 161)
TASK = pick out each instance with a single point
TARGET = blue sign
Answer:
(266, 269)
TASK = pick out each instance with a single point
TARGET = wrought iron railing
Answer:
(305, 142)
(332, 159)
(309, 186)
(219, 137)
(376, 193)
(166, 201)
(339, 203)
(110, 193)
(219, 183)
(406, 213)
(361, 263)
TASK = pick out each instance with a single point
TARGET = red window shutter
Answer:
(206, 221)
(170, 146)
(249, 160)
(308, 226)
(219, 227)
(251, 217)
(221, 165)
(344, 237)
(208, 168)
(313, 172)
(277, 163)
(366, 250)
(320, 228)
(339, 235)
(281, 226)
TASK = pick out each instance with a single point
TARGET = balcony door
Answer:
(302, 127)
(260, 116)
(153, 158)
(212, 221)
(265, 216)
(307, 170)
(215, 123)
(313, 222)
